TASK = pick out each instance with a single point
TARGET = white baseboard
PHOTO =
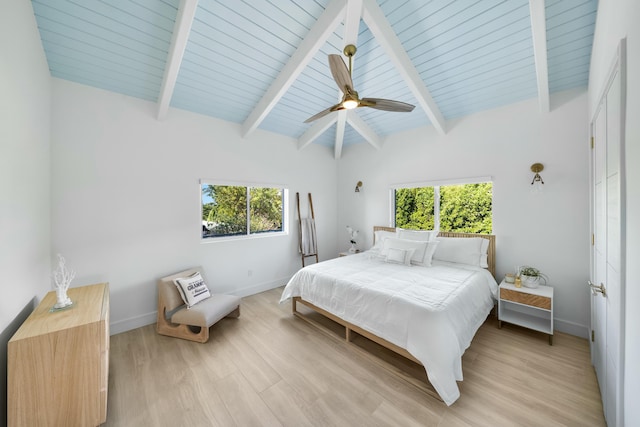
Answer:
(571, 328)
(132, 323)
(150, 318)
(262, 287)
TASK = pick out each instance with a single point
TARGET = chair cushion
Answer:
(207, 312)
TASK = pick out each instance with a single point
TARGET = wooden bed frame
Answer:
(349, 327)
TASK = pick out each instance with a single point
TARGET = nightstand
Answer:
(527, 307)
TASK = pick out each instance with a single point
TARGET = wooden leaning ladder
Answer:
(315, 251)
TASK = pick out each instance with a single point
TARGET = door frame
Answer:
(619, 65)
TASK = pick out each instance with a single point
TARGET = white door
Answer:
(599, 257)
(607, 266)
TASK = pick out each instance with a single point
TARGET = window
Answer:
(239, 210)
(464, 208)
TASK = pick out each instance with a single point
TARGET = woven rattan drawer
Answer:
(526, 299)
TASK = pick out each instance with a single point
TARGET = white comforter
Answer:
(432, 312)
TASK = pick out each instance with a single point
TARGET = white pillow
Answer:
(192, 289)
(419, 254)
(428, 256)
(399, 256)
(419, 235)
(462, 250)
(484, 258)
(380, 237)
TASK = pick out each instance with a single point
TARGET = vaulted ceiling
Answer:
(263, 63)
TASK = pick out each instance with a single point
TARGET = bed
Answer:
(424, 305)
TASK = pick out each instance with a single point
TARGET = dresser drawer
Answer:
(526, 299)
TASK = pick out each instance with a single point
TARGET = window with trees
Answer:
(239, 210)
(464, 208)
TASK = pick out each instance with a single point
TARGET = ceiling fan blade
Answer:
(386, 105)
(324, 113)
(340, 73)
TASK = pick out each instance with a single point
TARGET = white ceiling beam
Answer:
(539, 33)
(384, 34)
(359, 125)
(318, 128)
(179, 38)
(352, 17)
(317, 36)
(340, 126)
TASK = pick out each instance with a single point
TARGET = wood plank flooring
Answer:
(268, 368)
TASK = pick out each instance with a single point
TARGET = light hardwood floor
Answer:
(268, 368)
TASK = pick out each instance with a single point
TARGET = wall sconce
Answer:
(358, 185)
(537, 182)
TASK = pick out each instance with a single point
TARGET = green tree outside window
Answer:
(464, 208)
(225, 210)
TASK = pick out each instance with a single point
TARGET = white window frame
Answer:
(248, 186)
(436, 195)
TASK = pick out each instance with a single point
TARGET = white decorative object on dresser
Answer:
(58, 362)
(528, 307)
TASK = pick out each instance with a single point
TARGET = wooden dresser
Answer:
(58, 363)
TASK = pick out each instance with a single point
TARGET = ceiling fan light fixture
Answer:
(350, 104)
(350, 100)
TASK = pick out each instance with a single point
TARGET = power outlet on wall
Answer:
(249, 273)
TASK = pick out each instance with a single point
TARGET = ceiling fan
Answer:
(350, 100)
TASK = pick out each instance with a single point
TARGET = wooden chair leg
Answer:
(164, 327)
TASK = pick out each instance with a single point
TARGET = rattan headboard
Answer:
(491, 252)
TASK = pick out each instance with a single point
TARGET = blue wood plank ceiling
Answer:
(468, 56)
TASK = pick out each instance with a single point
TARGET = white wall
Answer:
(127, 201)
(25, 231)
(548, 230)
(25, 100)
(618, 19)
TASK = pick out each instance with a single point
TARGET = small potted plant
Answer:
(531, 277)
